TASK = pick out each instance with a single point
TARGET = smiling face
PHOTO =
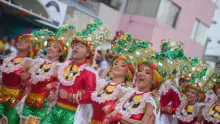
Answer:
(120, 68)
(80, 51)
(192, 95)
(54, 51)
(24, 45)
(145, 77)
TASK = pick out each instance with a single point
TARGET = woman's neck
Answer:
(79, 60)
(22, 53)
(145, 89)
(118, 79)
(52, 58)
(192, 102)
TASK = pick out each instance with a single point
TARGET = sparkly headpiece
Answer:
(216, 81)
(67, 33)
(93, 35)
(130, 50)
(63, 37)
(198, 75)
(41, 37)
(172, 49)
(33, 43)
(170, 59)
(120, 42)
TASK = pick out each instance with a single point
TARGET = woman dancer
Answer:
(140, 106)
(12, 87)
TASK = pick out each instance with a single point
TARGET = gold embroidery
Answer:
(9, 94)
(214, 111)
(69, 107)
(33, 120)
(43, 69)
(70, 71)
(187, 110)
(106, 91)
(133, 102)
(14, 62)
(95, 122)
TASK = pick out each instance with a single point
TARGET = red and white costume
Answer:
(133, 103)
(187, 113)
(105, 94)
(170, 95)
(84, 79)
(211, 113)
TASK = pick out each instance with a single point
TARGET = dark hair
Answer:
(182, 80)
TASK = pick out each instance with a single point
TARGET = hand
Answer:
(106, 108)
(63, 94)
(74, 98)
(106, 121)
(168, 109)
(49, 86)
(112, 115)
(78, 96)
(34, 81)
(52, 97)
(24, 76)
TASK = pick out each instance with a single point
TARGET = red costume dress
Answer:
(170, 96)
(211, 113)
(186, 113)
(72, 77)
(106, 94)
(133, 103)
(11, 89)
(36, 103)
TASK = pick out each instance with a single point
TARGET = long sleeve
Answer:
(89, 87)
(168, 97)
(175, 102)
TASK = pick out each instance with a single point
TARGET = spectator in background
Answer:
(99, 57)
(12, 47)
(3, 43)
(5, 39)
(11, 50)
(104, 67)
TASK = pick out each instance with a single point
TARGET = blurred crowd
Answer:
(103, 63)
(7, 46)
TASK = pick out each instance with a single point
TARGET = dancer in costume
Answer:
(140, 106)
(76, 75)
(189, 109)
(108, 92)
(43, 80)
(211, 111)
(12, 87)
(169, 60)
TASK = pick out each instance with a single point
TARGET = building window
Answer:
(199, 32)
(146, 8)
(168, 12)
(214, 1)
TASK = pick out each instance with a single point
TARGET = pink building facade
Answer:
(154, 30)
